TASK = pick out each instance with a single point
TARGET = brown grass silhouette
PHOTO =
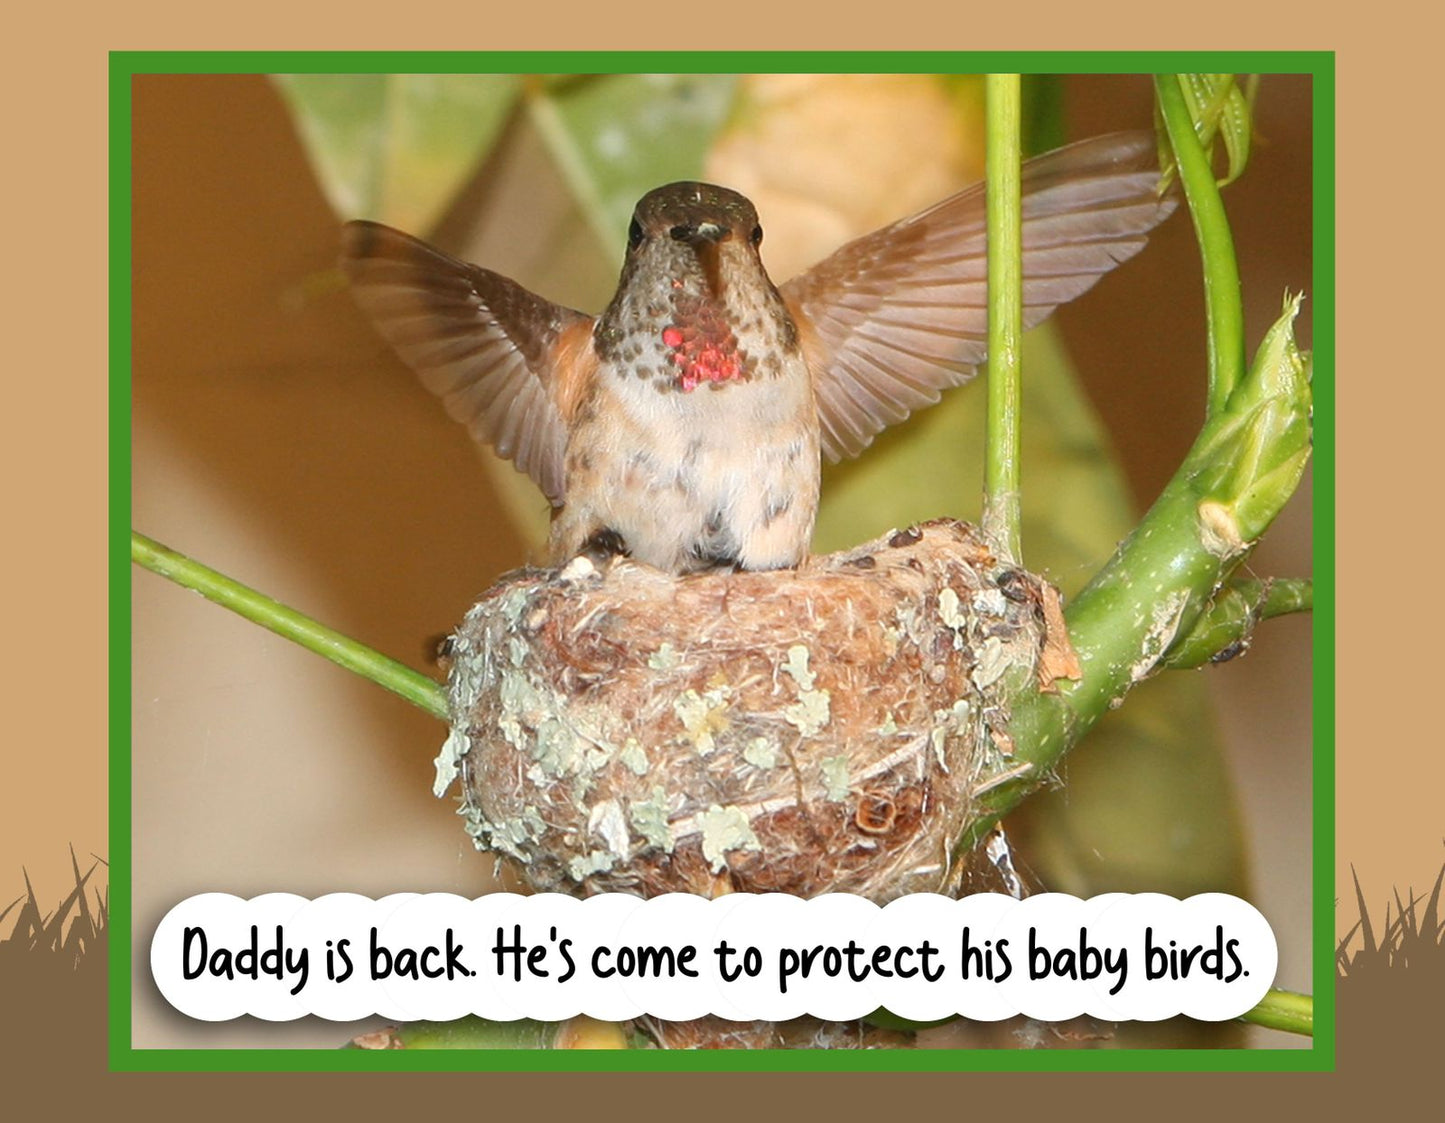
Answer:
(1391, 987)
(53, 973)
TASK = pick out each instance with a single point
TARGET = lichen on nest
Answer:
(824, 729)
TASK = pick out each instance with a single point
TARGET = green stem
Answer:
(415, 687)
(1244, 466)
(1002, 514)
(1227, 624)
(1284, 1010)
(1223, 307)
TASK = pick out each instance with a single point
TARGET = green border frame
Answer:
(1320, 65)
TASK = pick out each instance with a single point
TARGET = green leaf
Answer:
(618, 136)
(1218, 107)
(1251, 462)
(395, 147)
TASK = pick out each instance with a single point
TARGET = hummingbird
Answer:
(685, 424)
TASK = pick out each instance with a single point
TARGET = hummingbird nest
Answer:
(824, 729)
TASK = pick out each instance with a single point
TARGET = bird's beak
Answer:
(706, 239)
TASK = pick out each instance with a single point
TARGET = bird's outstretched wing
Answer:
(899, 315)
(491, 350)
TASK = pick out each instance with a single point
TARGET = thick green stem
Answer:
(1001, 506)
(1122, 624)
(1223, 306)
(415, 687)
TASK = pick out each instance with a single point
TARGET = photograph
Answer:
(858, 477)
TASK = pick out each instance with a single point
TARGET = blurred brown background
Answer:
(277, 441)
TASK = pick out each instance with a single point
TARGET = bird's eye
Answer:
(757, 235)
(634, 234)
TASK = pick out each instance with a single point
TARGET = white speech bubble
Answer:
(963, 932)
(536, 938)
(340, 989)
(771, 957)
(1059, 955)
(427, 941)
(674, 987)
(216, 957)
(818, 954)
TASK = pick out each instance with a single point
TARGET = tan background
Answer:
(1390, 775)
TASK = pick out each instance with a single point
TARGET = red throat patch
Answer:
(703, 351)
